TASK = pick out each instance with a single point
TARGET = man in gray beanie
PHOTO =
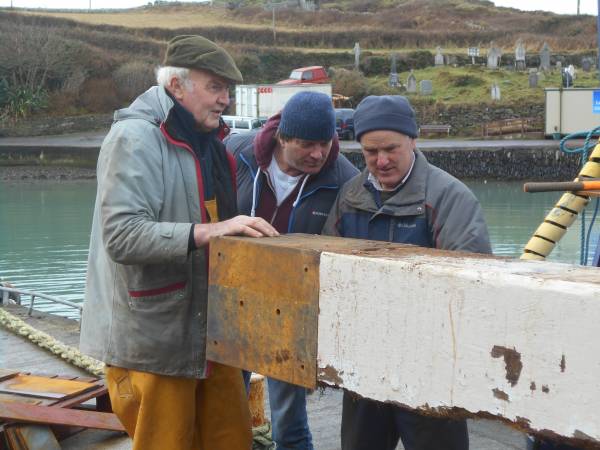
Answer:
(165, 187)
(289, 173)
(400, 197)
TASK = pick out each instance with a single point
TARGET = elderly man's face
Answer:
(205, 95)
(388, 155)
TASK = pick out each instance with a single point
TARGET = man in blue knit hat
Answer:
(289, 173)
(402, 198)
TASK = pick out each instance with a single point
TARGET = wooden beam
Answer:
(443, 332)
(22, 412)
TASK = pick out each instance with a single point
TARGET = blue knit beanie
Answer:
(309, 116)
(385, 112)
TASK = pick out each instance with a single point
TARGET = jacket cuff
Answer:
(191, 242)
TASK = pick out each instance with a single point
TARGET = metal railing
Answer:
(8, 290)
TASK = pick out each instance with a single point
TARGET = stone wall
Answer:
(468, 120)
(540, 164)
(42, 126)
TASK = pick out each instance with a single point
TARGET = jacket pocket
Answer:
(160, 299)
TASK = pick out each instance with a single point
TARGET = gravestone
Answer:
(559, 66)
(586, 64)
(426, 87)
(393, 81)
(533, 79)
(572, 71)
(356, 51)
(567, 79)
(495, 92)
(494, 55)
(439, 57)
(520, 56)
(545, 57)
(411, 82)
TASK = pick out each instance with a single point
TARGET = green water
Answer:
(44, 232)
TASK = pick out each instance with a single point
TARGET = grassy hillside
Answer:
(376, 23)
(65, 63)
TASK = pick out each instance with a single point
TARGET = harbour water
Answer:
(45, 227)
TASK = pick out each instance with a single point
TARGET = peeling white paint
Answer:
(420, 331)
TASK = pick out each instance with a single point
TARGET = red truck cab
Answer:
(312, 74)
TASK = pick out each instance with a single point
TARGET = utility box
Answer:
(571, 110)
(265, 100)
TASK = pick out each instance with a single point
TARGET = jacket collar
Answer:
(264, 144)
(360, 195)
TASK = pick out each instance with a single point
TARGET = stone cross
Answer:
(495, 92)
(411, 82)
(494, 55)
(356, 51)
(545, 57)
(426, 87)
(439, 57)
(393, 81)
(520, 56)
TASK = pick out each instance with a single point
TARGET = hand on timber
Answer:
(237, 226)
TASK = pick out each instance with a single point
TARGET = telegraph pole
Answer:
(598, 37)
(578, 2)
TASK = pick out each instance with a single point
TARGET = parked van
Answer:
(241, 124)
(344, 123)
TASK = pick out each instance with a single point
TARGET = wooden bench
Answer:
(519, 125)
(434, 129)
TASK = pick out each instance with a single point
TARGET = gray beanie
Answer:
(308, 115)
(385, 112)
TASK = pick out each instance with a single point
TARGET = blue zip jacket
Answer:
(432, 209)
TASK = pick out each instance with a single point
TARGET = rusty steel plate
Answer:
(263, 308)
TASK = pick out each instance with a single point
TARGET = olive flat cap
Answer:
(196, 52)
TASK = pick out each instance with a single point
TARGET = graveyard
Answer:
(471, 84)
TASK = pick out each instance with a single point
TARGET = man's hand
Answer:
(237, 226)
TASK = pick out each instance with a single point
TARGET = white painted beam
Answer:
(518, 340)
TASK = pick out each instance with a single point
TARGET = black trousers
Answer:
(371, 425)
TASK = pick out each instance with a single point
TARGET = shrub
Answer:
(133, 78)
(3, 92)
(22, 102)
(99, 95)
(350, 83)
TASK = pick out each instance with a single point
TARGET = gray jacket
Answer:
(432, 209)
(146, 296)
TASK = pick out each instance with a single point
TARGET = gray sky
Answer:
(558, 6)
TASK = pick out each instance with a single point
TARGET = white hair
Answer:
(165, 74)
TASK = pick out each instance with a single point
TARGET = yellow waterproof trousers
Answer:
(172, 413)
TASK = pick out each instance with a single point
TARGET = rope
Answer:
(583, 151)
(47, 342)
(261, 438)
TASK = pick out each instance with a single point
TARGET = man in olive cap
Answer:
(402, 198)
(165, 187)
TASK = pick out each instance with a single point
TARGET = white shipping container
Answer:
(264, 100)
(571, 110)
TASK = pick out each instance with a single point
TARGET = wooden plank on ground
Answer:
(445, 332)
(21, 412)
